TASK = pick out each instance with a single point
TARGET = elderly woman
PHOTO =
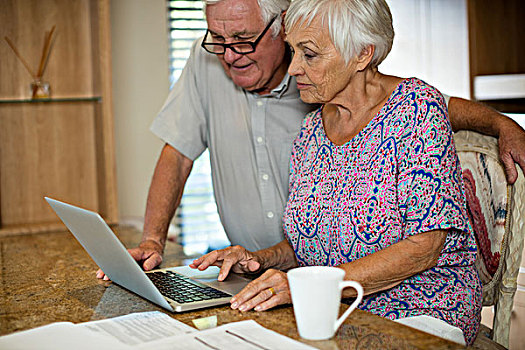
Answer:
(375, 182)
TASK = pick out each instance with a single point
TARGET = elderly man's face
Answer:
(320, 70)
(237, 20)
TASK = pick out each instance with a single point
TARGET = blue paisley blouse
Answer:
(398, 177)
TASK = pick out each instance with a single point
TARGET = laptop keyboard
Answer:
(183, 289)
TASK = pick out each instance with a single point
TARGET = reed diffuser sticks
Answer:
(46, 50)
(15, 50)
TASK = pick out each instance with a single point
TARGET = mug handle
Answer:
(352, 307)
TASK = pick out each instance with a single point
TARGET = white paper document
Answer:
(114, 333)
(147, 330)
(138, 328)
(435, 327)
(243, 335)
(60, 335)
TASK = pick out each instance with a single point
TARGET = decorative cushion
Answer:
(487, 196)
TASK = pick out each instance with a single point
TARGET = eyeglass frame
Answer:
(231, 46)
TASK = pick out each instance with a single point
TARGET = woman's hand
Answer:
(263, 293)
(236, 259)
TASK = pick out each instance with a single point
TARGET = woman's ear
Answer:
(364, 58)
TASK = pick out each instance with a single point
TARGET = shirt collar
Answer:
(282, 87)
(280, 90)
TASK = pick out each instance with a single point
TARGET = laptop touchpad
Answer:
(233, 284)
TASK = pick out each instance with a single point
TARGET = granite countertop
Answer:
(49, 278)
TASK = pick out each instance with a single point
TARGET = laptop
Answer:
(176, 289)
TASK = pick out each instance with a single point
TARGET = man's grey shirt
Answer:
(249, 138)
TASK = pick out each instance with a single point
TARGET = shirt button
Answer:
(269, 214)
(260, 139)
(259, 103)
(265, 177)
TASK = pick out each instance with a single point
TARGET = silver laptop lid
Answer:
(107, 251)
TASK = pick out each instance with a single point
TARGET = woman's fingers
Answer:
(214, 258)
(251, 290)
(205, 261)
(251, 296)
(283, 297)
(250, 265)
(267, 291)
(235, 259)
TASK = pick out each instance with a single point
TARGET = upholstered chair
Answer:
(497, 213)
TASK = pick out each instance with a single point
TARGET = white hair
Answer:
(352, 24)
(269, 9)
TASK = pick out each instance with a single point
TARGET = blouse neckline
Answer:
(367, 126)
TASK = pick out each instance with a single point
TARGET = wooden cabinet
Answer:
(62, 147)
(497, 53)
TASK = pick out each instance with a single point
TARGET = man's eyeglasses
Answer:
(241, 47)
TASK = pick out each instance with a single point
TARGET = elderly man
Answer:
(236, 99)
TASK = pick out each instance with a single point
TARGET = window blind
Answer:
(186, 23)
(197, 221)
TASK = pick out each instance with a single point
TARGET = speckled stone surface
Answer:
(49, 278)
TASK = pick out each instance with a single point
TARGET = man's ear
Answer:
(282, 20)
(364, 58)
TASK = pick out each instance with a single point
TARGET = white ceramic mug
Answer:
(316, 297)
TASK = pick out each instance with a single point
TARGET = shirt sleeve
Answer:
(431, 195)
(181, 122)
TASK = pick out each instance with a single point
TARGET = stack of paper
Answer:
(148, 330)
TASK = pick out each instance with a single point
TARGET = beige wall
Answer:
(431, 43)
(140, 85)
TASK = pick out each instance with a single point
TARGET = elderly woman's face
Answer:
(320, 70)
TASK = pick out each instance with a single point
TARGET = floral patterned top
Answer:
(398, 177)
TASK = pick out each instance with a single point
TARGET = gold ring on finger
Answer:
(272, 291)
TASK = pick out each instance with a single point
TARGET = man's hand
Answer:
(511, 143)
(236, 259)
(263, 293)
(148, 254)
(470, 115)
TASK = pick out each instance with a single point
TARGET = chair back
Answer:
(496, 212)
